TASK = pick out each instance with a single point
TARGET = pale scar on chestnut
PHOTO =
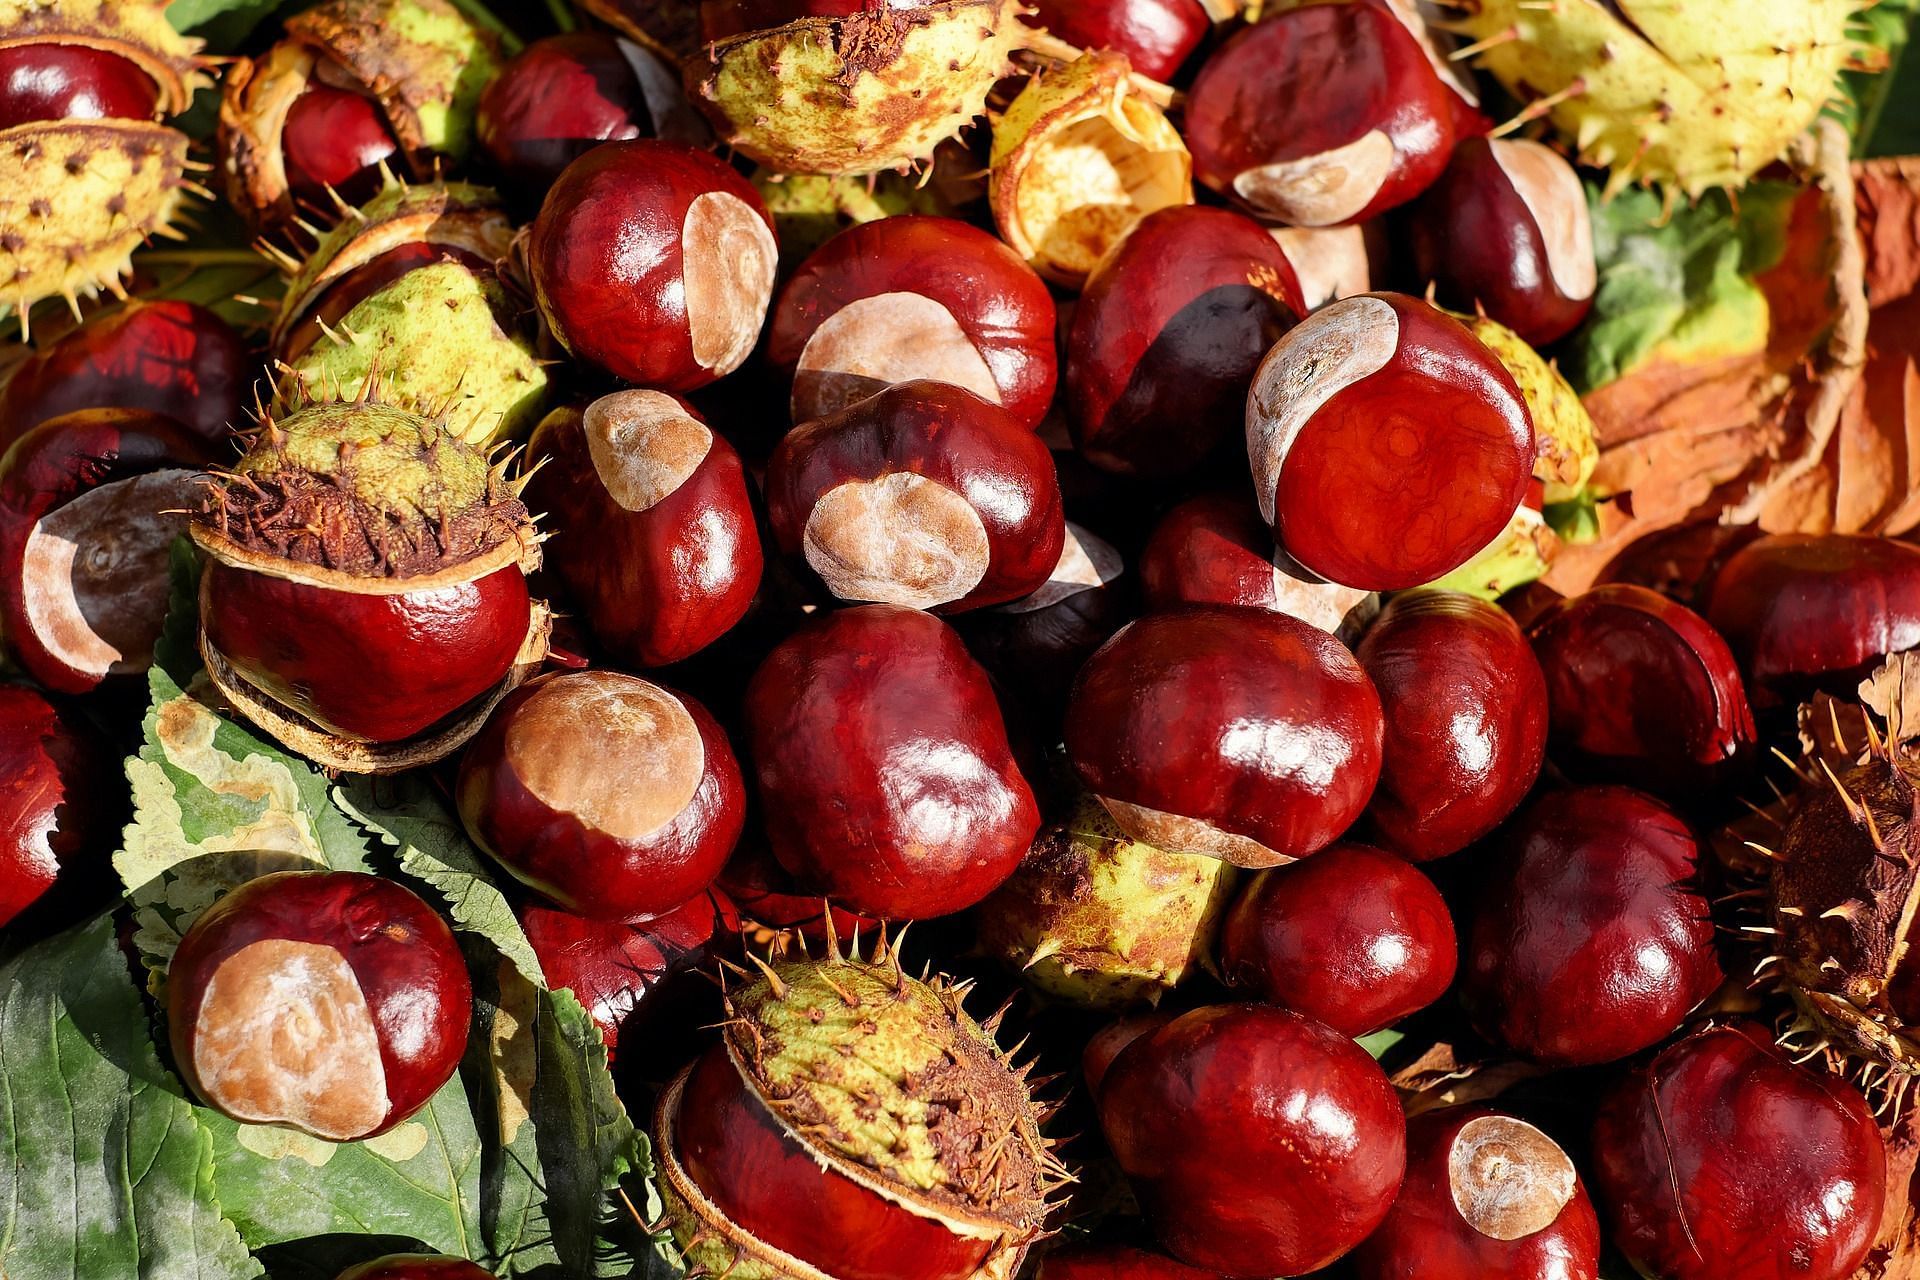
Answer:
(643, 446)
(899, 539)
(1508, 1179)
(730, 257)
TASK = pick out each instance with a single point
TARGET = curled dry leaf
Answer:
(1441, 1077)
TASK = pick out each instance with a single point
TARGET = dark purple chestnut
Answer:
(1803, 611)
(1641, 690)
(50, 80)
(559, 98)
(55, 776)
(923, 495)
(1353, 936)
(1215, 549)
(1115, 1261)
(416, 1266)
(885, 774)
(1680, 562)
(1389, 445)
(654, 261)
(1590, 939)
(1466, 716)
(1505, 230)
(915, 297)
(1320, 115)
(331, 1002)
(1242, 734)
(1722, 1158)
(650, 521)
(1260, 1142)
(1158, 36)
(611, 797)
(1487, 1197)
(1167, 335)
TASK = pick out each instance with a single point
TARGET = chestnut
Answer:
(90, 504)
(55, 773)
(416, 1266)
(1808, 611)
(171, 358)
(1590, 938)
(332, 1002)
(1353, 936)
(1167, 335)
(1466, 714)
(1388, 444)
(51, 80)
(1641, 690)
(771, 902)
(1722, 1158)
(884, 770)
(1259, 1142)
(1158, 36)
(1106, 1044)
(1238, 733)
(654, 261)
(1320, 115)
(1680, 562)
(336, 142)
(651, 525)
(915, 297)
(1215, 549)
(611, 797)
(1505, 230)
(1115, 1261)
(1487, 1197)
(923, 495)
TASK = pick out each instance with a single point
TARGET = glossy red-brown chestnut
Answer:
(54, 775)
(1641, 690)
(1722, 1158)
(1388, 444)
(332, 1002)
(1804, 611)
(1505, 230)
(1466, 716)
(1590, 939)
(336, 142)
(558, 99)
(1680, 562)
(650, 524)
(769, 900)
(1487, 1197)
(61, 81)
(170, 358)
(90, 504)
(416, 1266)
(1354, 936)
(1215, 549)
(1166, 337)
(884, 771)
(1104, 1045)
(922, 495)
(1320, 115)
(654, 261)
(1260, 1142)
(915, 297)
(1116, 1262)
(612, 797)
(1238, 733)
(1158, 36)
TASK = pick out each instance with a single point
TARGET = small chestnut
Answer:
(1353, 936)
(562, 96)
(56, 80)
(609, 796)
(416, 1266)
(923, 495)
(885, 775)
(55, 776)
(1158, 36)
(1105, 1044)
(1260, 1142)
(1215, 549)
(915, 297)
(336, 140)
(1234, 732)
(654, 261)
(332, 1002)
(1388, 444)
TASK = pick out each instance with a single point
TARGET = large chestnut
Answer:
(885, 774)
(650, 521)
(1722, 1158)
(609, 796)
(654, 261)
(1506, 230)
(54, 773)
(1158, 36)
(1215, 549)
(1487, 1197)
(1466, 716)
(1320, 115)
(332, 1002)
(1260, 1142)
(1642, 690)
(1239, 733)
(1590, 937)
(1803, 611)
(1389, 445)
(54, 80)
(915, 297)
(1115, 1262)
(1167, 335)
(1354, 936)
(416, 1266)
(923, 495)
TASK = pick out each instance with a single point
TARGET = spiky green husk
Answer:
(1100, 920)
(810, 209)
(1568, 451)
(1520, 554)
(1686, 94)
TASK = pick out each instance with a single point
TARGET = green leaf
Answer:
(1882, 109)
(224, 24)
(1380, 1043)
(104, 1168)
